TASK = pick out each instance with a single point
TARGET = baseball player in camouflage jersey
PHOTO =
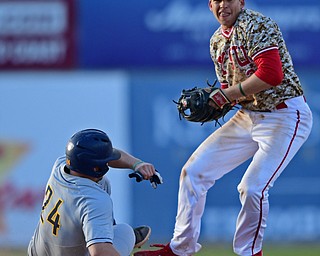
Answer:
(77, 211)
(255, 71)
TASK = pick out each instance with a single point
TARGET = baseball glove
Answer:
(193, 104)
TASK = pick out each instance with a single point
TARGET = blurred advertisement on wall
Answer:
(39, 111)
(36, 34)
(177, 32)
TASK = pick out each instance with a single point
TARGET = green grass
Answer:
(226, 250)
(13, 252)
(268, 250)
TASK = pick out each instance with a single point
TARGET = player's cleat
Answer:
(165, 251)
(142, 235)
(258, 254)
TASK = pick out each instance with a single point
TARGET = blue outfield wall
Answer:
(160, 137)
(39, 111)
(176, 32)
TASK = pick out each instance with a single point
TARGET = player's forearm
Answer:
(248, 87)
(126, 161)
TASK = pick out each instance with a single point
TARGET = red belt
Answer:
(282, 105)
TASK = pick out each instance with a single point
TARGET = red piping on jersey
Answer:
(269, 66)
(262, 193)
(227, 33)
(264, 50)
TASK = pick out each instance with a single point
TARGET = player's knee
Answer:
(190, 171)
(188, 176)
(183, 173)
(248, 192)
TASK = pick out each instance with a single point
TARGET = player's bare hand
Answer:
(146, 169)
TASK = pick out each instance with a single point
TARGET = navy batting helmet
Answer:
(88, 152)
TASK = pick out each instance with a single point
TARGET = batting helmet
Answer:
(88, 152)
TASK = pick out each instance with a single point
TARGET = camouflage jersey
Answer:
(233, 54)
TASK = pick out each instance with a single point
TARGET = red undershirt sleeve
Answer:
(269, 67)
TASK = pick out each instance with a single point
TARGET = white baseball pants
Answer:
(271, 139)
